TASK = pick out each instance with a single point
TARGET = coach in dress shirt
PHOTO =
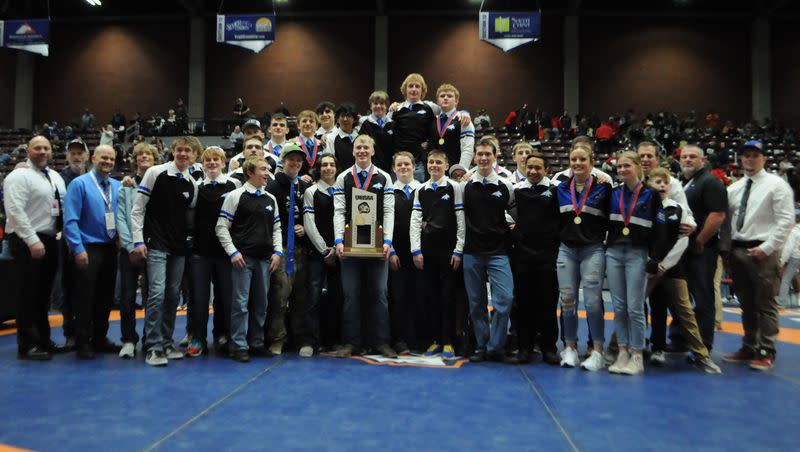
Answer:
(32, 196)
(91, 233)
(762, 215)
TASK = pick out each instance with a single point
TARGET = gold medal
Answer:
(626, 231)
(577, 220)
(441, 140)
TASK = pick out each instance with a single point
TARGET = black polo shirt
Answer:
(705, 194)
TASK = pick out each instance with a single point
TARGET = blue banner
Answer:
(508, 30)
(252, 31)
(32, 35)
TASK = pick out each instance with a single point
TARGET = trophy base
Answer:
(364, 251)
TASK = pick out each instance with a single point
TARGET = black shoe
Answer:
(478, 357)
(495, 357)
(261, 352)
(551, 357)
(85, 351)
(522, 357)
(35, 354)
(106, 346)
(676, 349)
(58, 349)
(402, 348)
(241, 356)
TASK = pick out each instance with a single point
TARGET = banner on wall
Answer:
(509, 30)
(31, 35)
(252, 31)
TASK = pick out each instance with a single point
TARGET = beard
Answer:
(688, 172)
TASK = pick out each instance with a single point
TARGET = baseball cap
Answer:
(252, 123)
(291, 149)
(77, 142)
(455, 167)
(753, 144)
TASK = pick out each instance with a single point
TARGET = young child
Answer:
(437, 243)
(667, 284)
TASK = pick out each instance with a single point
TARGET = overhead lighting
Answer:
(94, 2)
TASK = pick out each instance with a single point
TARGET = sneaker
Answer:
(306, 351)
(610, 356)
(221, 345)
(658, 358)
(386, 351)
(594, 362)
(402, 348)
(635, 365)
(742, 355)
(622, 360)
(185, 341)
(569, 357)
(156, 358)
(128, 350)
(676, 349)
(448, 353)
(433, 350)
(241, 355)
(707, 365)
(551, 357)
(276, 348)
(764, 361)
(478, 357)
(522, 357)
(345, 351)
(172, 352)
(195, 348)
(260, 351)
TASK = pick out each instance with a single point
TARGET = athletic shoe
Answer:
(221, 345)
(635, 365)
(610, 356)
(386, 351)
(156, 358)
(448, 353)
(128, 350)
(742, 355)
(185, 341)
(402, 348)
(658, 358)
(594, 363)
(676, 349)
(241, 356)
(276, 348)
(569, 357)
(622, 360)
(172, 352)
(707, 365)
(433, 350)
(763, 362)
(478, 357)
(345, 351)
(260, 351)
(522, 357)
(551, 357)
(306, 351)
(195, 348)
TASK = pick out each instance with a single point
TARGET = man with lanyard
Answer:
(364, 280)
(91, 232)
(289, 279)
(32, 197)
(448, 134)
(312, 147)
(762, 215)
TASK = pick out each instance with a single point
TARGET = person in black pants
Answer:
(32, 198)
(533, 261)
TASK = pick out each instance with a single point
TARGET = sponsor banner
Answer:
(32, 35)
(508, 30)
(252, 31)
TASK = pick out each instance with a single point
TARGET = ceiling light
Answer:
(94, 2)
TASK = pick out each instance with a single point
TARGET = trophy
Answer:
(363, 236)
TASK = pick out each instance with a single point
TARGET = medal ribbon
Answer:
(579, 208)
(310, 158)
(366, 182)
(626, 216)
(439, 127)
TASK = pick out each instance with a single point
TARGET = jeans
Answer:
(207, 270)
(323, 313)
(364, 282)
(250, 282)
(789, 271)
(165, 272)
(700, 270)
(625, 268)
(498, 270)
(582, 266)
(129, 281)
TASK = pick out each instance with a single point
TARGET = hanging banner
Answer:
(510, 30)
(253, 31)
(31, 35)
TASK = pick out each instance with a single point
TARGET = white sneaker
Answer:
(128, 350)
(185, 341)
(276, 348)
(306, 351)
(622, 361)
(635, 365)
(594, 362)
(569, 357)
(156, 358)
(172, 352)
(658, 358)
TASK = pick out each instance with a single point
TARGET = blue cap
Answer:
(754, 145)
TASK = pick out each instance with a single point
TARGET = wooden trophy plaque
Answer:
(363, 235)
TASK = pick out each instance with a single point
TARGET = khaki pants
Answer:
(756, 287)
(674, 292)
(717, 296)
(287, 295)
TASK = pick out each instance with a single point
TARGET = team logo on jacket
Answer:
(268, 208)
(445, 197)
(378, 185)
(421, 112)
(547, 194)
(185, 194)
(497, 194)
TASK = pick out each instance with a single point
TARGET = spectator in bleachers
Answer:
(181, 116)
(240, 111)
(236, 135)
(118, 120)
(77, 156)
(107, 136)
(482, 121)
(87, 119)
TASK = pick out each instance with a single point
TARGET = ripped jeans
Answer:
(581, 267)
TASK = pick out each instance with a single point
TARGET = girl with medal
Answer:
(633, 216)
(583, 206)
